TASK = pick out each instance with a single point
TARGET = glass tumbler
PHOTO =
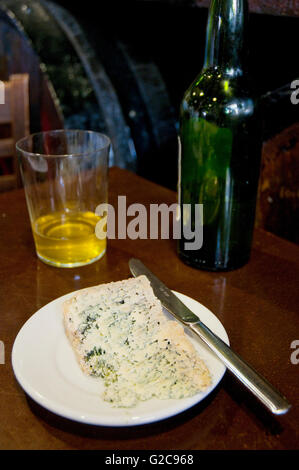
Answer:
(65, 177)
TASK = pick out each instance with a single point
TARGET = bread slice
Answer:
(119, 333)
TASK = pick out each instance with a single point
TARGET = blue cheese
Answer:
(120, 334)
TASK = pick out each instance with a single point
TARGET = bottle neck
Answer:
(226, 36)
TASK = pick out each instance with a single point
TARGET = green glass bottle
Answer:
(220, 145)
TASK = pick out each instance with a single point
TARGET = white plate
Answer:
(45, 366)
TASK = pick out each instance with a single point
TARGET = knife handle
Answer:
(257, 384)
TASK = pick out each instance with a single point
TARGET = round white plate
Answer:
(46, 368)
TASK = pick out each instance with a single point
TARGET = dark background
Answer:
(173, 35)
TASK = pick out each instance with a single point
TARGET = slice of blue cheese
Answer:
(120, 334)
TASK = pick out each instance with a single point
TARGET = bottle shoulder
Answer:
(214, 92)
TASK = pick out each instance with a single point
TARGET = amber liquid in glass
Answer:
(67, 239)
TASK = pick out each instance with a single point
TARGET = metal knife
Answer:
(257, 384)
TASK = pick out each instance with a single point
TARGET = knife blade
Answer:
(258, 385)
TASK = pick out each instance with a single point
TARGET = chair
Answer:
(14, 124)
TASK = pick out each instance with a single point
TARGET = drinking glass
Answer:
(65, 177)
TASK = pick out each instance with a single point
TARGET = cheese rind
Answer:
(120, 334)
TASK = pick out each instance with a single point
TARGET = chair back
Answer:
(14, 124)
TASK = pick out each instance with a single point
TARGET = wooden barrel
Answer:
(74, 85)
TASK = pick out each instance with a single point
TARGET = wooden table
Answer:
(258, 306)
